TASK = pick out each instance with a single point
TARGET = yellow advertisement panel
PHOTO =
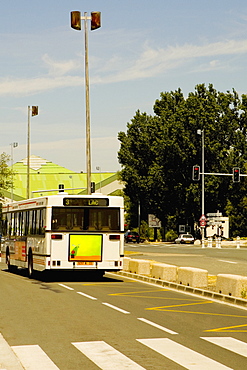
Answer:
(85, 247)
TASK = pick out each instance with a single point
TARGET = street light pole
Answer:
(88, 143)
(99, 169)
(34, 110)
(28, 152)
(12, 145)
(95, 19)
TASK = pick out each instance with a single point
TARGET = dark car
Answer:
(131, 237)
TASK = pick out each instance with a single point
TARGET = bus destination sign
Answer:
(86, 202)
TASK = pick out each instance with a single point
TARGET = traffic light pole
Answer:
(196, 176)
(203, 208)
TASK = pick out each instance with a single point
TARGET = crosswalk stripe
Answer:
(183, 356)
(230, 344)
(33, 357)
(106, 357)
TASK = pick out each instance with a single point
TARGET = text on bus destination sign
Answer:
(86, 202)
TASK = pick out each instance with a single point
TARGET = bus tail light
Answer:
(56, 236)
(114, 237)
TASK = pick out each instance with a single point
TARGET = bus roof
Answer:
(59, 200)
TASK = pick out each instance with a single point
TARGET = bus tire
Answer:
(8, 259)
(30, 264)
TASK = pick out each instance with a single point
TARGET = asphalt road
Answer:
(223, 260)
(68, 322)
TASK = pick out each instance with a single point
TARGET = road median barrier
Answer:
(224, 288)
(126, 263)
(232, 285)
(140, 267)
(163, 271)
(193, 277)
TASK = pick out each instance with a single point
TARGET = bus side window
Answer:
(9, 215)
(26, 218)
(19, 220)
(42, 222)
(14, 222)
(5, 226)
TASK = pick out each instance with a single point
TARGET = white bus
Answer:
(80, 232)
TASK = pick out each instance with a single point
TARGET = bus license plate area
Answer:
(85, 248)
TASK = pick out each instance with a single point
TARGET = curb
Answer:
(8, 360)
(221, 298)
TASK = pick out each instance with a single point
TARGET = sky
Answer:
(142, 49)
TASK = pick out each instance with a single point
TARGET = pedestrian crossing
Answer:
(106, 357)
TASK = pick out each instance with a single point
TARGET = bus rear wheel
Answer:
(30, 265)
(8, 260)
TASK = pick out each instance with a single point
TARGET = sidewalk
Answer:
(8, 360)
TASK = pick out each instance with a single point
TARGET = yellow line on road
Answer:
(194, 312)
(143, 291)
(180, 305)
(228, 329)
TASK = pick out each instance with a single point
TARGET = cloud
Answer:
(153, 62)
(31, 86)
(150, 62)
(60, 68)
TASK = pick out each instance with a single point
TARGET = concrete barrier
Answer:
(194, 277)
(140, 267)
(232, 285)
(165, 272)
(126, 262)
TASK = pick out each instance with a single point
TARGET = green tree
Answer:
(6, 174)
(158, 152)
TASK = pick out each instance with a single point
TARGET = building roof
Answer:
(45, 175)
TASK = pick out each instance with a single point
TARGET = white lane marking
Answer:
(182, 355)
(227, 261)
(87, 296)
(65, 286)
(33, 357)
(106, 357)
(115, 308)
(229, 343)
(157, 326)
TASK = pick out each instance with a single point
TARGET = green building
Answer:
(45, 178)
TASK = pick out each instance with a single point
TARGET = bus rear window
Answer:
(86, 219)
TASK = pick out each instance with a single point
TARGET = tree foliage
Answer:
(6, 174)
(157, 154)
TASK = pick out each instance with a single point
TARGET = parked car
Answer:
(131, 236)
(185, 239)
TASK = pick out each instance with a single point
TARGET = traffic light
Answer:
(95, 20)
(236, 174)
(61, 188)
(76, 20)
(92, 187)
(196, 173)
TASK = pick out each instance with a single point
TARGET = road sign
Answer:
(203, 223)
(181, 229)
(218, 214)
(203, 218)
(153, 221)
